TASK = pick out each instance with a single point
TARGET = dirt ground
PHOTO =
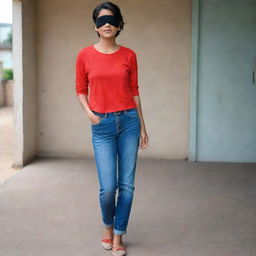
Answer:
(6, 144)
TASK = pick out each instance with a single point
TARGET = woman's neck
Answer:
(107, 44)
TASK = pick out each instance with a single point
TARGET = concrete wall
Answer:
(160, 34)
(30, 83)
(9, 93)
(6, 93)
(2, 94)
(25, 81)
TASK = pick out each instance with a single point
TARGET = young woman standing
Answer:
(114, 109)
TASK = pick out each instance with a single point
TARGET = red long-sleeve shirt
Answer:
(109, 80)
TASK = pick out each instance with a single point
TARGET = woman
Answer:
(110, 72)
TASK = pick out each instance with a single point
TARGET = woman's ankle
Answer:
(117, 240)
(108, 232)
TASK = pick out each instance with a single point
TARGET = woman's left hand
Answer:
(143, 139)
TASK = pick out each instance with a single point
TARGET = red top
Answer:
(111, 80)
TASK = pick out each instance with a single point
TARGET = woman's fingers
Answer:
(143, 141)
(145, 144)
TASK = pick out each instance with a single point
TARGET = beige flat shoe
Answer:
(107, 243)
(118, 251)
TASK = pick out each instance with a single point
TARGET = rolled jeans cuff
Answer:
(119, 232)
(108, 225)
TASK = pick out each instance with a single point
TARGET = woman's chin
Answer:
(107, 36)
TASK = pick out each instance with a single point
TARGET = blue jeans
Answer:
(115, 143)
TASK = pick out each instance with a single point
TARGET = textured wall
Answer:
(158, 31)
(25, 81)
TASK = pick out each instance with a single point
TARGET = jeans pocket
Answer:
(133, 113)
(98, 122)
(101, 117)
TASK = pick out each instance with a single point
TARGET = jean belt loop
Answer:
(106, 114)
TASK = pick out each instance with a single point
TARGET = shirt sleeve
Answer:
(81, 76)
(134, 75)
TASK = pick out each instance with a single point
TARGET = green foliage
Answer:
(7, 74)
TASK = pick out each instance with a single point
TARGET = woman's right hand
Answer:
(94, 118)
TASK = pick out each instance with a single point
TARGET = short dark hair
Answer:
(114, 9)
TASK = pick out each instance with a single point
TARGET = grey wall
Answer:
(226, 106)
(30, 83)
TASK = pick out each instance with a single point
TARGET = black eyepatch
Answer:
(111, 19)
